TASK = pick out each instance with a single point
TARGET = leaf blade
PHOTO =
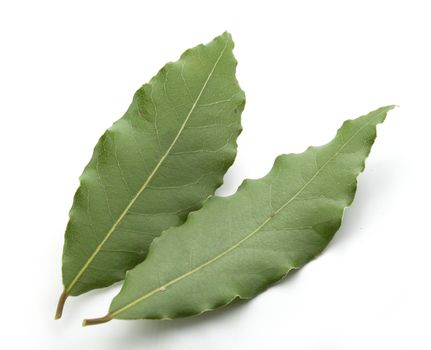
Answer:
(236, 246)
(161, 160)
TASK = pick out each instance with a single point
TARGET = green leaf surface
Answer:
(236, 246)
(157, 163)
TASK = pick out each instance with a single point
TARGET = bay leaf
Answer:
(157, 163)
(237, 246)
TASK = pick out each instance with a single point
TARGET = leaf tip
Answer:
(226, 36)
(390, 107)
(383, 111)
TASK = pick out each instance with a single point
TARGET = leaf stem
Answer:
(60, 305)
(93, 321)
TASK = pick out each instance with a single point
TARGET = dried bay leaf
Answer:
(236, 246)
(157, 163)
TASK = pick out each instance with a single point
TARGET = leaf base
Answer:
(94, 321)
(60, 305)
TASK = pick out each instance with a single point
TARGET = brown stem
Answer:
(93, 321)
(60, 305)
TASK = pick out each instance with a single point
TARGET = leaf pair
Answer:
(234, 247)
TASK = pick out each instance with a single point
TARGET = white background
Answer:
(68, 69)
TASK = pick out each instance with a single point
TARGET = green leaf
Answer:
(235, 247)
(157, 163)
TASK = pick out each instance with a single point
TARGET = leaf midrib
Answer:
(236, 245)
(144, 186)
